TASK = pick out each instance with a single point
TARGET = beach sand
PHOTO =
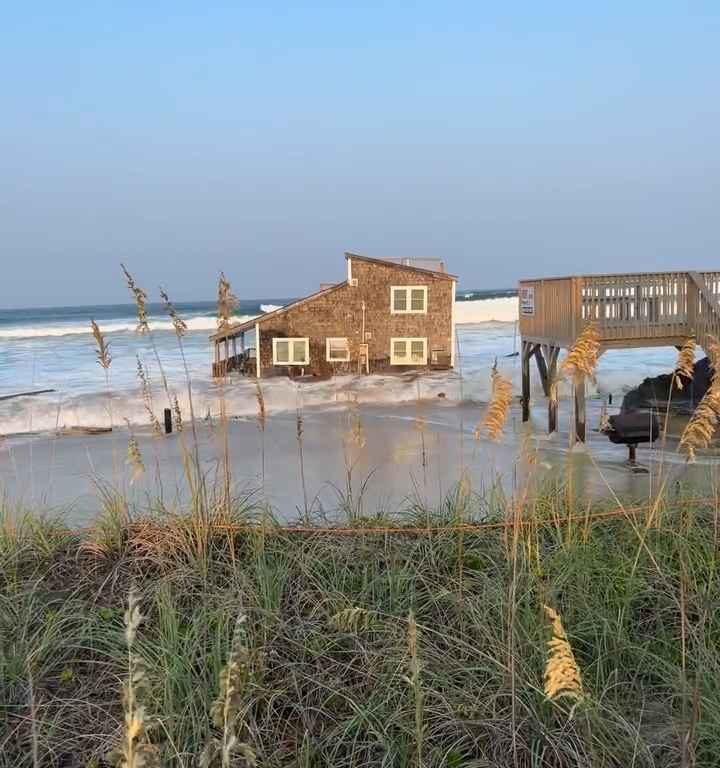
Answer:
(62, 474)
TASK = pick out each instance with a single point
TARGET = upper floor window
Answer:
(291, 351)
(408, 299)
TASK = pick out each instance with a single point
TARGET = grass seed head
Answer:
(227, 302)
(261, 411)
(140, 298)
(177, 413)
(685, 365)
(499, 408)
(584, 353)
(179, 324)
(562, 674)
(146, 392)
(134, 458)
(103, 347)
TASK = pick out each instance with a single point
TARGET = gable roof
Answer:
(233, 330)
(236, 328)
(400, 265)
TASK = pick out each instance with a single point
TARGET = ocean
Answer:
(52, 349)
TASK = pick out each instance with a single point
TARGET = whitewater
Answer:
(53, 349)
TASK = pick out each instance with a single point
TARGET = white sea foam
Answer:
(466, 312)
(486, 332)
(120, 326)
(502, 310)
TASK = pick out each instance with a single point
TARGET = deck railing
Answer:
(629, 309)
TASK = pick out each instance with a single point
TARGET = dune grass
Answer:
(371, 649)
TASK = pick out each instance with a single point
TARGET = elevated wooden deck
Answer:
(650, 309)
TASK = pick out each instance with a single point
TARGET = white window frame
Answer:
(291, 346)
(407, 359)
(408, 289)
(345, 358)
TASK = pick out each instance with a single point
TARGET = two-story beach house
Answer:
(387, 315)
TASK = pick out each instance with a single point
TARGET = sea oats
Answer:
(685, 365)
(146, 393)
(562, 674)
(227, 709)
(140, 302)
(135, 749)
(700, 429)
(179, 324)
(584, 353)
(103, 348)
(177, 414)
(134, 457)
(499, 408)
(227, 302)
(261, 412)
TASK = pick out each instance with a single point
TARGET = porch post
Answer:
(258, 367)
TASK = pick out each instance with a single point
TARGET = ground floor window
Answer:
(408, 351)
(291, 351)
(337, 350)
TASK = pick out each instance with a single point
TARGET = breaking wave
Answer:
(119, 326)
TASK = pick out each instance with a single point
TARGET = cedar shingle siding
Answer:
(338, 313)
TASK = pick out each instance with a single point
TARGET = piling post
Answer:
(580, 408)
(525, 357)
(168, 421)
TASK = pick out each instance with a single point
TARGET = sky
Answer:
(510, 139)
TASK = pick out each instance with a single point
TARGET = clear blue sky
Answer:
(508, 138)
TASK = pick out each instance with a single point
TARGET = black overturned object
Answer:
(631, 429)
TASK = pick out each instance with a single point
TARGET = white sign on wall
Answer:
(527, 301)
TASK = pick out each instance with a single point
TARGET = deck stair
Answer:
(633, 310)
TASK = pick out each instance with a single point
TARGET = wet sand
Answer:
(406, 452)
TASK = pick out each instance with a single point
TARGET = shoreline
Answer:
(408, 453)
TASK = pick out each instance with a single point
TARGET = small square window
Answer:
(338, 350)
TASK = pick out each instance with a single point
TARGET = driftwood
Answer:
(27, 394)
(84, 430)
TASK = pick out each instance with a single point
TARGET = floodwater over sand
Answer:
(417, 431)
(407, 453)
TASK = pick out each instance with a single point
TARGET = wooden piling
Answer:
(525, 357)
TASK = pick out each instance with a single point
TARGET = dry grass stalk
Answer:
(499, 408)
(353, 620)
(179, 324)
(562, 674)
(227, 302)
(685, 366)
(299, 429)
(177, 413)
(140, 301)
(261, 410)
(414, 680)
(227, 709)
(135, 750)
(146, 392)
(134, 458)
(584, 354)
(103, 347)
